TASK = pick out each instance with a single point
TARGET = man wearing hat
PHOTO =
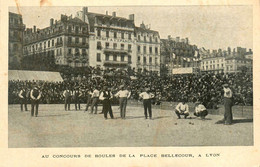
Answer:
(35, 98)
(147, 96)
(123, 95)
(105, 96)
(94, 97)
(182, 109)
(200, 110)
(88, 95)
(23, 98)
(228, 102)
(67, 97)
(77, 94)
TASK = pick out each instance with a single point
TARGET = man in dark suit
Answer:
(105, 96)
(23, 98)
(35, 98)
(88, 95)
(77, 94)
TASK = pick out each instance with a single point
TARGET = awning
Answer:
(34, 75)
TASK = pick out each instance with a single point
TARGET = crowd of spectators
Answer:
(206, 88)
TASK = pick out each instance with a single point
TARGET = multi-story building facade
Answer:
(147, 49)
(97, 40)
(238, 64)
(65, 40)
(219, 61)
(15, 45)
(111, 39)
(178, 53)
(213, 64)
(115, 42)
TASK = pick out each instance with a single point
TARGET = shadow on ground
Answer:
(235, 121)
(53, 115)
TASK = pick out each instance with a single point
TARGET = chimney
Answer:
(63, 17)
(34, 29)
(114, 14)
(51, 21)
(56, 21)
(177, 39)
(132, 17)
(85, 10)
(187, 40)
(142, 25)
(106, 12)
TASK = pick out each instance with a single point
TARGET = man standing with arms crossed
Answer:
(35, 96)
(123, 95)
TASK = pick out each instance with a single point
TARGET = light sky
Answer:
(211, 27)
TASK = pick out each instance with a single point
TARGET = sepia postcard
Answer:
(131, 83)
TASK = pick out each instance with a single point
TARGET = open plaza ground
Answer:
(55, 127)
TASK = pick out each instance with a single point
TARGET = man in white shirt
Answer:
(105, 96)
(200, 110)
(147, 96)
(123, 95)
(228, 102)
(94, 97)
(182, 109)
(67, 96)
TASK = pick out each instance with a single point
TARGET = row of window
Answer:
(77, 64)
(16, 20)
(228, 61)
(108, 34)
(46, 44)
(145, 40)
(212, 61)
(229, 68)
(107, 45)
(77, 29)
(15, 34)
(238, 61)
(77, 40)
(76, 51)
(114, 23)
(212, 67)
(15, 47)
(144, 60)
(115, 57)
(44, 32)
(150, 49)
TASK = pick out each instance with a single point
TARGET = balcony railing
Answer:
(80, 45)
(116, 50)
(111, 62)
(83, 55)
(59, 44)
